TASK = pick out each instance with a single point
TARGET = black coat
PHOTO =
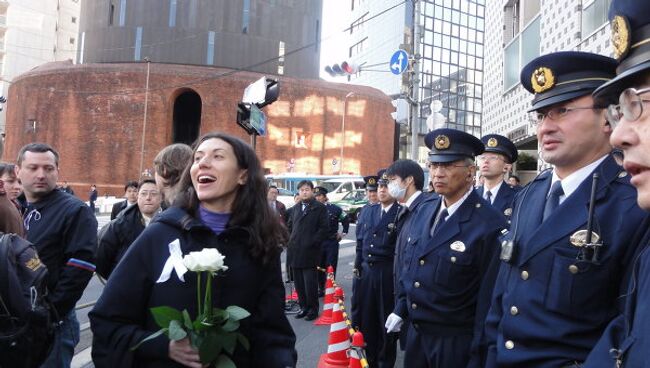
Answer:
(117, 208)
(122, 318)
(117, 238)
(308, 229)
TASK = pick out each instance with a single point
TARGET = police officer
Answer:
(373, 295)
(496, 161)
(330, 246)
(405, 184)
(371, 194)
(555, 293)
(448, 250)
(626, 341)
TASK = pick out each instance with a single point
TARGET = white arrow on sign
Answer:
(397, 66)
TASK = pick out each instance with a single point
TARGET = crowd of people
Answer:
(551, 274)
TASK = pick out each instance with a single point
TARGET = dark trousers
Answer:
(329, 256)
(373, 301)
(307, 288)
(425, 350)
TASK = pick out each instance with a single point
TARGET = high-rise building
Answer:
(522, 30)
(34, 32)
(277, 38)
(450, 38)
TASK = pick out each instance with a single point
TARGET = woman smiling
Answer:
(221, 204)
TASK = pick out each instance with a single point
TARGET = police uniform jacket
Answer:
(361, 219)
(64, 231)
(404, 221)
(378, 244)
(626, 337)
(503, 201)
(121, 318)
(548, 308)
(308, 229)
(441, 275)
(335, 215)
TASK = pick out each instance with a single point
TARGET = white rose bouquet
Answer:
(214, 331)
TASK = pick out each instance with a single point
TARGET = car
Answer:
(338, 188)
(286, 197)
(352, 202)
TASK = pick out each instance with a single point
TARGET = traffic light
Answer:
(401, 110)
(345, 68)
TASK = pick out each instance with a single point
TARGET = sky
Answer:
(334, 49)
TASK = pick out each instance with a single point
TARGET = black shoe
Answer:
(302, 313)
(311, 316)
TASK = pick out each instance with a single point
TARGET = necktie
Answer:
(488, 196)
(553, 199)
(441, 219)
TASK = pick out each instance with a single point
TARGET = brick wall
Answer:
(93, 115)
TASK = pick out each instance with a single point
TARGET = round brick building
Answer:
(94, 115)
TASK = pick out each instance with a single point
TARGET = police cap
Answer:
(383, 179)
(630, 39)
(448, 145)
(565, 75)
(320, 191)
(371, 182)
(500, 144)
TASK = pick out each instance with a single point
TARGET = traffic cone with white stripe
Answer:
(339, 340)
(328, 302)
(356, 352)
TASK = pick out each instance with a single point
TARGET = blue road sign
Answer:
(398, 62)
(258, 120)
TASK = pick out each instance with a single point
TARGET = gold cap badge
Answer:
(492, 142)
(372, 181)
(542, 79)
(620, 36)
(442, 142)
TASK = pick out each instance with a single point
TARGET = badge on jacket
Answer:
(458, 246)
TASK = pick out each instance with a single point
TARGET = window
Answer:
(246, 16)
(359, 47)
(172, 13)
(71, 40)
(594, 15)
(358, 24)
(74, 20)
(281, 58)
(522, 49)
(111, 13)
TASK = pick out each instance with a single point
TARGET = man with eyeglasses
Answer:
(626, 340)
(493, 164)
(449, 246)
(122, 231)
(556, 290)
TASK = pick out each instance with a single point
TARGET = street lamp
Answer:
(345, 109)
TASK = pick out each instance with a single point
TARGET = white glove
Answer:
(393, 323)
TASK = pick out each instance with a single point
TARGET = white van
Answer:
(339, 187)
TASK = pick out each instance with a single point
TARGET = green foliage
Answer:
(213, 332)
(526, 162)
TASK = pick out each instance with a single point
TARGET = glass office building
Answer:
(452, 62)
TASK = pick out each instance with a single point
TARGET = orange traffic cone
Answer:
(338, 342)
(328, 302)
(356, 352)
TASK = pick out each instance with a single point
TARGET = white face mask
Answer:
(396, 191)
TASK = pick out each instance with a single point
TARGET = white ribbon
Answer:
(174, 262)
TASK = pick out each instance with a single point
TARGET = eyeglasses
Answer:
(489, 158)
(145, 194)
(444, 166)
(630, 106)
(557, 113)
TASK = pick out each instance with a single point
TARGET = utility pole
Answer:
(414, 81)
(144, 122)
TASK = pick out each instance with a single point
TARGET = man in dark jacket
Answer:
(308, 228)
(64, 231)
(278, 207)
(131, 197)
(127, 227)
(330, 246)
(92, 197)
